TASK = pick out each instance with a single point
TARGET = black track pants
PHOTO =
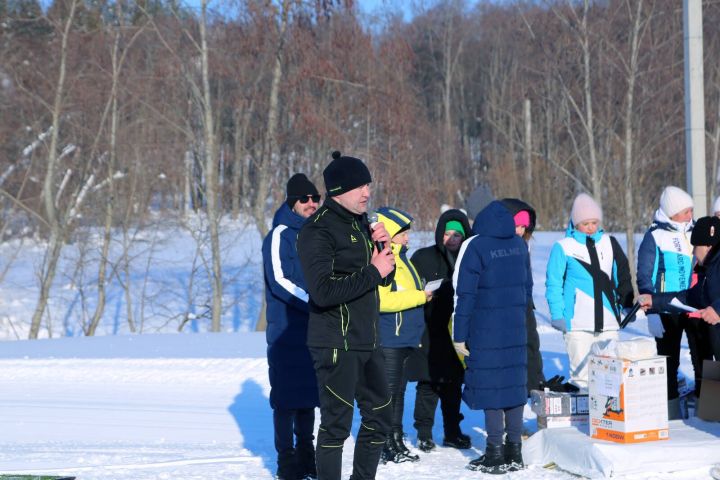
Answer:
(427, 395)
(344, 377)
(293, 427)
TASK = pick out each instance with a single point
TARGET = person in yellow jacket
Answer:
(402, 322)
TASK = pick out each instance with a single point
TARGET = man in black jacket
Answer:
(342, 271)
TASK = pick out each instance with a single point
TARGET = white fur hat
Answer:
(674, 200)
(585, 208)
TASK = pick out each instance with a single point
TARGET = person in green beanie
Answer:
(435, 365)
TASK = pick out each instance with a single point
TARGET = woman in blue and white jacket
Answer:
(588, 282)
(665, 264)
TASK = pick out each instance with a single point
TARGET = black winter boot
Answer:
(513, 456)
(287, 465)
(457, 440)
(395, 450)
(493, 462)
(399, 438)
(425, 444)
(306, 461)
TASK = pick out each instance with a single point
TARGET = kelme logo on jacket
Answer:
(352, 238)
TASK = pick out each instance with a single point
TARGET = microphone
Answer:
(630, 317)
(373, 220)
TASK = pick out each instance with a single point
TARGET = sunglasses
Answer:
(307, 198)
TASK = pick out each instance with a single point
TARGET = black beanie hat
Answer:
(706, 232)
(344, 174)
(298, 187)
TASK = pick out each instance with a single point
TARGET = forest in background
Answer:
(111, 110)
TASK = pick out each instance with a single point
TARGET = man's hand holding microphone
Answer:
(382, 257)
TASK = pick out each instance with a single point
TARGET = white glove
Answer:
(655, 326)
(461, 348)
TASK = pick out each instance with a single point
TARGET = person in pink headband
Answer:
(522, 222)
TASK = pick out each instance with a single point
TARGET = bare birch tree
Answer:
(211, 176)
(56, 239)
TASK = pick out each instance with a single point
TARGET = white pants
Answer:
(578, 345)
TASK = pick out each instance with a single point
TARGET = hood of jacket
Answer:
(448, 216)
(285, 216)
(516, 205)
(494, 221)
(581, 237)
(395, 220)
(662, 221)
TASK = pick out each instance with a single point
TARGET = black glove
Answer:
(553, 383)
(557, 384)
(568, 387)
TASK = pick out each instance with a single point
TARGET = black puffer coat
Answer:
(436, 359)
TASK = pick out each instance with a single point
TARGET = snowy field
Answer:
(165, 266)
(191, 405)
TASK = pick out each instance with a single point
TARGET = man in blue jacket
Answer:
(293, 394)
(705, 294)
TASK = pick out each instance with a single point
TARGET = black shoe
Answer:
(305, 454)
(493, 462)
(287, 465)
(399, 438)
(459, 441)
(425, 444)
(395, 450)
(513, 456)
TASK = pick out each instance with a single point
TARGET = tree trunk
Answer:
(629, 177)
(595, 180)
(270, 142)
(107, 233)
(56, 235)
(211, 173)
(527, 115)
(714, 191)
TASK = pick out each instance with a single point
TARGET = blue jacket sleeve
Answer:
(554, 283)
(281, 265)
(647, 256)
(465, 281)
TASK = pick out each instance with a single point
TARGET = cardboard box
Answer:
(628, 399)
(546, 403)
(559, 409)
(708, 406)
(576, 421)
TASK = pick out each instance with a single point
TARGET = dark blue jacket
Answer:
(491, 293)
(705, 293)
(292, 376)
(402, 318)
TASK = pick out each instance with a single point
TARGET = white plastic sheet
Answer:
(693, 444)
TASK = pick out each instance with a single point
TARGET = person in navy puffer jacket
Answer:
(491, 284)
(665, 264)
(293, 392)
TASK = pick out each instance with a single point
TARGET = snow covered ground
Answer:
(191, 405)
